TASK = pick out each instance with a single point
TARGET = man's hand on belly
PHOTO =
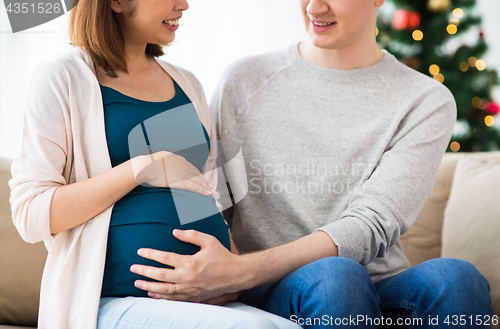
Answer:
(212, 275)
(215, 272)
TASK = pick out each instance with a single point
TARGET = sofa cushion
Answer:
(423, 241)
(471, 224)
(21, 264)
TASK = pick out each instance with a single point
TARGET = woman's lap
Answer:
(148, 313)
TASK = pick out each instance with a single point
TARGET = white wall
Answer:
(215, 33)
(212, 35)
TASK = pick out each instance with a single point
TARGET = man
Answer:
(342, 144)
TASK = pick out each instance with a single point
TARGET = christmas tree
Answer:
(433, 37)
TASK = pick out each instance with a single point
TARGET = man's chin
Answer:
(327, 45)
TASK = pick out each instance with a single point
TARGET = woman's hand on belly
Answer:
(210, 273)
(166, 169)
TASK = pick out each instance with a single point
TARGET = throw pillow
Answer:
(471, 224)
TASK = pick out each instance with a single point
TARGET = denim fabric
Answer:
(337, 292)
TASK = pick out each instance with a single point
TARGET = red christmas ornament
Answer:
(406, 20)
(481, 34)
(414, 20)
(492, 108)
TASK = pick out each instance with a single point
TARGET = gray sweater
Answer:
(353, 153)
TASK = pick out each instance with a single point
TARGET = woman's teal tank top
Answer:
(146, 217)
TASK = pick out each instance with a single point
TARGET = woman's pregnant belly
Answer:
(145, 218)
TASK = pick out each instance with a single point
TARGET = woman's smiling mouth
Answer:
(171, 22)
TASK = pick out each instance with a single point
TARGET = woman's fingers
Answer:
(191, 186)
(174, 171)
(197, 176)
(201, 181)
(180, 169)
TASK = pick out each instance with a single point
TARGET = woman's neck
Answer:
(137, 59)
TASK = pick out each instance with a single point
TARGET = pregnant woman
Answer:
(95, 123)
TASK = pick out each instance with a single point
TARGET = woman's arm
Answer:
(76, 203)
(43, 202)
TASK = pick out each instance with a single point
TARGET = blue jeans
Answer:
(337, 292)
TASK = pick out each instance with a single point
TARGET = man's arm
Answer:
(270, 265)
(214, 271)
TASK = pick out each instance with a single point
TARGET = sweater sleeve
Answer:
(42, 152)
(387, 204)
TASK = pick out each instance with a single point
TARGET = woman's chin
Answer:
(164, 38)
(163, 41)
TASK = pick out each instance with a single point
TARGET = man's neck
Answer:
(347, 58)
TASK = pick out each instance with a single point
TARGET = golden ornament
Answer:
(437, 6)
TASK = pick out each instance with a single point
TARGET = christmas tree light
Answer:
(426, 36)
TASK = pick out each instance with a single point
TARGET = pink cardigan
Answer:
(61, 141)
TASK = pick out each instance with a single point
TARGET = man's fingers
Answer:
(163, 257)
(178, 297)
(195, 237)
(160, 296)
(222, 300)
(155, 273)
(162, 288)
